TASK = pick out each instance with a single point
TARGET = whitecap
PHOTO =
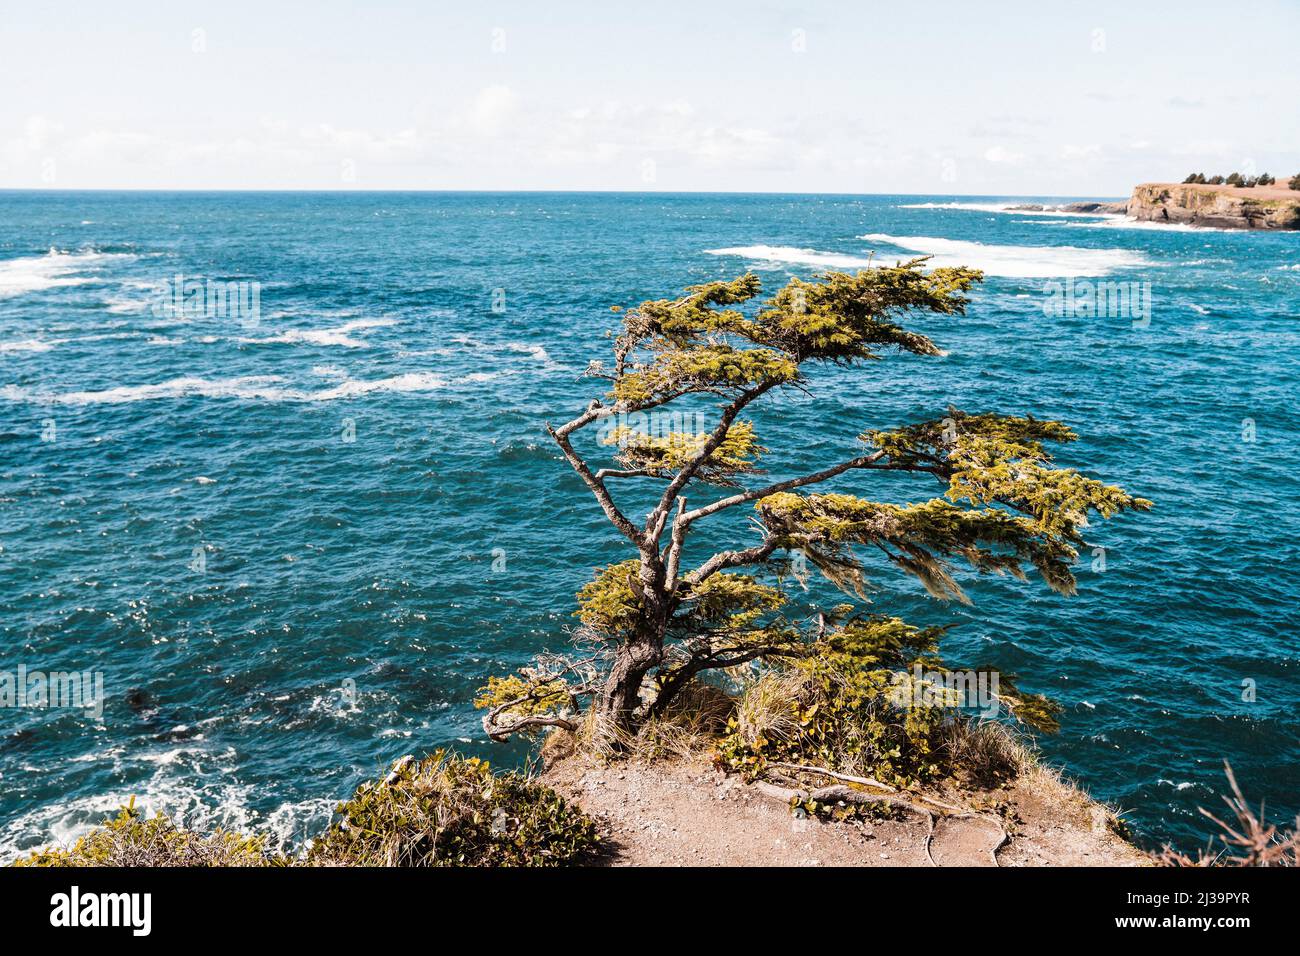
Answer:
(1025, 262)
(1124, 222)
(252, 387)
(247, 387)
(52, 270)
(406, 382)
(1011, 207)
(794, 255)
(30, 345)
(339, 335)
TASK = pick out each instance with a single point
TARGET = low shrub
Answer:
(855, 705)
(132, 839)
(447, 810)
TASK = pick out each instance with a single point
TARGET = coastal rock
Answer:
(1221, 207)
(1100, 208)
(1088, 206)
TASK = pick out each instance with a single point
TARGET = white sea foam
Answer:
(1010, 207)
(247, 387)
(340, 335)
(1026, 262)
(407, 382)
(1124, 222)
(270, 388)
(533, 351)
(121, 305)
(220, 801)
(794, 255)
(52, 270)
(30, 345)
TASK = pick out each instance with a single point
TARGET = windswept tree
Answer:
(657, 620)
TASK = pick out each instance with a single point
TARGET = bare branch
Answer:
(598, 489)
(716, 438)
(863, 461)
(731, 559)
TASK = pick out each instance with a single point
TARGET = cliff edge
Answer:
(1221, 207)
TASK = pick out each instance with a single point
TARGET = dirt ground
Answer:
(686, 813)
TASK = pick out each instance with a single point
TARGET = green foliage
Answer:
(841, 317)
(662, 456)
(1294, 182)
(732, 600)
(532, 696)
(445, 810)
(440, 811)
(131, 839)
(1000, 460)
(863, 700)
(611, 602)
(832, 707)
(704, 368)
(1007, 508)
(681, 321)
(919, 538)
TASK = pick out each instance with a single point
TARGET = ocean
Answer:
(295, 538)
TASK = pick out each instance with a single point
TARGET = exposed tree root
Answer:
(842, 793)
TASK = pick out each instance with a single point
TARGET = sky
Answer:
(998, 98)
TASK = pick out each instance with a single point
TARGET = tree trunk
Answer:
(621, 695)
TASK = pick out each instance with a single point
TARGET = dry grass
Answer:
(764, 709)
(694, 720)
(1256, 843)
(986, 753)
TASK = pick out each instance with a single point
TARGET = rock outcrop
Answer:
(1221, 207)
(1092, 207)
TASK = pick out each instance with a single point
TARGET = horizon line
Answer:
(593, 190)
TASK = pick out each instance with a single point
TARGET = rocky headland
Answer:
(1217, 206)
(1195, 204)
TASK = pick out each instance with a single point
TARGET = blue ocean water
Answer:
(294, 547)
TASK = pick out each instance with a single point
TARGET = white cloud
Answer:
(1002, 155)
(1073, 151)
(492, 109)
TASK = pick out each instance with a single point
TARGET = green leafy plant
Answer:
(865, 699)
(446, 810)
(132, 839)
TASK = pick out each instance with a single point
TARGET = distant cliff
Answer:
(1222, 207)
